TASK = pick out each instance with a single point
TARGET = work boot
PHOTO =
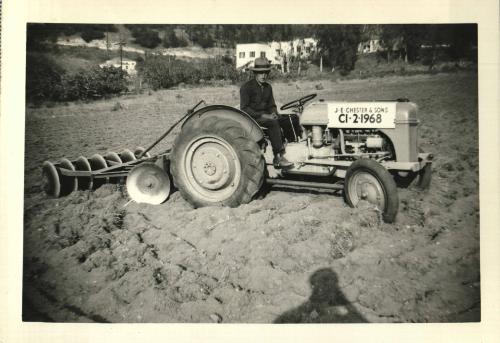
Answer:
(281, 162)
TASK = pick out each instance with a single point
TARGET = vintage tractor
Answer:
(221, 157)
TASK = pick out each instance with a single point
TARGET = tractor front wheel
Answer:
(213, 162)
(368, 180)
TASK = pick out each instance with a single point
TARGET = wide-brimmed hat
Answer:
(261, 65)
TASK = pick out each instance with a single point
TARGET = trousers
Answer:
(274, 133)
(290, 126)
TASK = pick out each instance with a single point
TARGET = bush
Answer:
(145, 37)
(43, 77)
(90, 34)
(95, 83)
(172, 41)
(47, 81)
(166, 71)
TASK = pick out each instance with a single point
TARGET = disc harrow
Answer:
(64, 176)
(147, 177)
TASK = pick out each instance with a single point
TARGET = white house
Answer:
(370, 46)
(127, 65)
(274, 51)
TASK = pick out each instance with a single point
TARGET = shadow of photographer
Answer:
(327, 303)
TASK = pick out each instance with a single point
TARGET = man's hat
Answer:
(261, 65)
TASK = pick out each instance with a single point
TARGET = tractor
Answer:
(221, 156)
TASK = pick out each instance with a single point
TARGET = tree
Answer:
(145, 36)
(170, 40)
(405, 40)
(463, 41)
(90, 34)
(204, 39)
(339, 45)
(453, 41)
(39, 36)
(390, 39)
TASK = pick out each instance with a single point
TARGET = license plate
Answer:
(363, 115)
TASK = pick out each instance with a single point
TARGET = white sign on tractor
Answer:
(362, 115)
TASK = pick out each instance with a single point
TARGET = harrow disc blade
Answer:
(68, 183)
(51, 183)
(112, 157)
(127, 156)
(83, 164)
(139, 150)
(148, 183)
(98, 162)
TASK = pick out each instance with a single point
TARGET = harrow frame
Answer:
(116, 169)
(62, 178)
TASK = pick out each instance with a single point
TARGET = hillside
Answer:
(56, 52)
(110, 43)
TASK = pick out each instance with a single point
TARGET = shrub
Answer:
(92, 84)
(166, 71)
(43, 77)
(90, 34)
(47, 81)
(146, 37)
(172, 41)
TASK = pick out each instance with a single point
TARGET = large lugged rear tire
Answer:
(213, 162)
(368, 180)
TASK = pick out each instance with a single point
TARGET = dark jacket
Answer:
(256, 99)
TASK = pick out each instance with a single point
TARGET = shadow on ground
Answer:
(327, 303)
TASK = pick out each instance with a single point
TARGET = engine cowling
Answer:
(371, 122)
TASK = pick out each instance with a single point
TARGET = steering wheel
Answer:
(299, 102)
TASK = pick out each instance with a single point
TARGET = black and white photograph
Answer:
(251, 173)
(234, 170)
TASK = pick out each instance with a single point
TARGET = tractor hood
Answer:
(359, 114)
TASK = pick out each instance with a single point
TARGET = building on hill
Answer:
(127, 65)
(369, 46)
(276, 52)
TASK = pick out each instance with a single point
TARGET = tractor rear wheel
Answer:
(368, 180)
(214, 162)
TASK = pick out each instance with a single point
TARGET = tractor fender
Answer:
(248, 124)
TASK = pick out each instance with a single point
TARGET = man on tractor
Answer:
(256, 99)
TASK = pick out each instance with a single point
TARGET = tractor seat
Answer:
(265, 130)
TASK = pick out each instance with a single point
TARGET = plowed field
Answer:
(292, 256)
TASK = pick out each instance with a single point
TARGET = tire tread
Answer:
(251, 159)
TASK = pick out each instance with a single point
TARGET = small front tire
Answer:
(370, 181)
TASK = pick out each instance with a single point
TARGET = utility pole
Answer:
(107, 44)
(121, 43)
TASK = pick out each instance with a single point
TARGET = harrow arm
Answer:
(67, 176)
(189, 112)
